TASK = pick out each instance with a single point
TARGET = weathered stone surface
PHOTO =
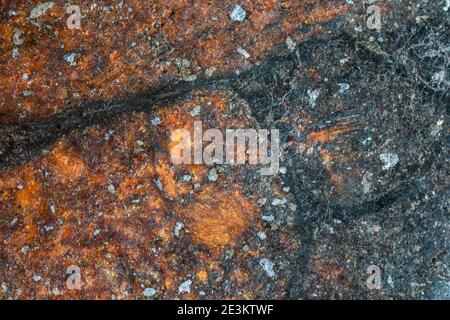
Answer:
(86, 178)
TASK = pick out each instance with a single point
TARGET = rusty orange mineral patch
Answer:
(66, 162)
(219, 217)
(104, 199)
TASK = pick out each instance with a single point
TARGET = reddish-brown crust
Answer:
(124, 49)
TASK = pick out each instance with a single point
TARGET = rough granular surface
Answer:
(87, 122)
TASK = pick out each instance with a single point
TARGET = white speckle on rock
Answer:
(262, 235)
(358, 28)
(212, 175)
(373, 228)
(27, 93)
(367, 182)
(390, 282)
(190, 78)
(268, 218)
(439, 76)
(53, 208)
(25, 249)
(185, 63)
(262, 201)
(15, 53)
(56, 291)
(343, 87)
(447, 5)
(210, 71)
(267, 266)
(344, 60)
(37, 278)
(196, 111)
(278, 202)
(185, 287)
(111, 189)
(436, 129)
(158, 184)
(178, 226)
(292, 207)
(96, 232)
(14, 221)
(238, 14)
(243, 52)
(156, 121)
(70, 58)
(313, 95)
(149, 292)
(291, 44)
(389, 160)
(40, 9)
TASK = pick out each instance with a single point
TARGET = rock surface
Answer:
(86, 178)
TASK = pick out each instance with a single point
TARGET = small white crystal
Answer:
(149, 292)
(238, 14)
(313, 95)
(243, 52)
(267, 265)
(389, 160)
(185, 287)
